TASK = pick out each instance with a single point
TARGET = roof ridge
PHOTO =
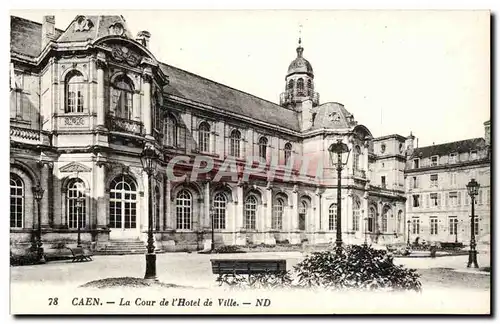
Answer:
(224, 85)
(447, 143)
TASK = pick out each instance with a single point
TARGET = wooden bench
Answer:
(80, 254)
(228, 269)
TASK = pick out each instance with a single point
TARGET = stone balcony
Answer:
(124, 125)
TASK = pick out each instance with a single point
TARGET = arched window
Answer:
(250, 212)
(74, 92)
(123, 203)
(310, 89)
(157, 209)
(400, 221)
(288, 152)
(277, 219)
(204, 137)
(300, 87)
(16, 201)
(302, 216)
(263, 148)
(356, 213)
(219, 211)
(171, 131)
(371, 220)
(291, 83)
(332, 217)
(76, 204)
(234, 143)
(122, 92)
(184, 209)
(383, 224)
(157, 121)
(357, 153)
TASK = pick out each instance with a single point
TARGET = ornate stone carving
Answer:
(74, 121)
(148, 78)
(116, 29)
(100, 64)
(124, 54)
(74, 167)
(83, 24)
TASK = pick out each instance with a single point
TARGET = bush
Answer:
(27, 259)
(357, 266)
(228, 249)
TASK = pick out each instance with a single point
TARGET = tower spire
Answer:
(300, 49)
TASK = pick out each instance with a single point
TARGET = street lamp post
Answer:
(79, 206)
(472, 188)
(366, 225)
(149, 160)
(339, 148)
(38, 193)
(408, 238)
(456, 232)
(212, 245)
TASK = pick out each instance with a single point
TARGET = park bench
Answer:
(227, 268)
(80, 254)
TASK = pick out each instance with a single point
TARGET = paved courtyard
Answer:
(194, 270)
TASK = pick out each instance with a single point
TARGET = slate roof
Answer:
(26, 36)
(333, 115)
(447, 148)
(26, 39)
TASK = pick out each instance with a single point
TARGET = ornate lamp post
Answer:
(149, 161)
(366, 227)
(408, 238)
(79, 207)
(38, 194)
(339, 148)
(472, 188)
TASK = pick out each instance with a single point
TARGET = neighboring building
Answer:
(438, 205)
(84, 101)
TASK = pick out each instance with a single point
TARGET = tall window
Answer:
(171, 131)
(74, 92)
(263, 148)
(415, 182)
(434, 161)
(278, 214)
(16, 201)
(302, 216)
(384, 220)
(300, 87)
(184, 205)
(121, 97)
(382, 181)
(250, 212)
(434, 180)
(415, 226)
(400, 222)
(356, 213)
(219, 211)
(123, 203)
(416, 200)
(434, 226)
(435, 198)
(453, 196)
(453, 225)
(234, 143)
(204, 137)
(357, 153)
(290, 85)
(288, 153)
(76, 215)
(371, 220)
(309, 87)
(332, 217)
(157, 209)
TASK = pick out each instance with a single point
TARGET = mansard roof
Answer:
(196, 88)
(26, 36)
(448, 148)
(333, 115)
(26, 39)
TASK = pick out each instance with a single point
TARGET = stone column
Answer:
(146, 107)
(169, 224)
(269, 237)
(239, 239)
(44, 182)
(100, 110)
(206, 223)
(348, 225)
(143, 221)
(100, 196)
(364, 222)
(294, 217)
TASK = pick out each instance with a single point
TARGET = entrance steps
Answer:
(121, 247)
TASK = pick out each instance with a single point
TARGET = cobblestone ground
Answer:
(194, 270)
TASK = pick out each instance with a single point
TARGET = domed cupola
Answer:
(299, 85)
(300, 64)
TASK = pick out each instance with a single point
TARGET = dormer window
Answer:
(434, 160)
(473, 155)
(382, 148)
(453, 158)
(416, 163)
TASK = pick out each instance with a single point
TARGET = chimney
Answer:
(48, 30)
(143, 38)
(487, 132)
(409, 142)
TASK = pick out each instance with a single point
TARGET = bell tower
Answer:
(299, 92)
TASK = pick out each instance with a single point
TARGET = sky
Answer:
(425, 72)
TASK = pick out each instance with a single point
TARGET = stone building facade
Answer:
(86, 100)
